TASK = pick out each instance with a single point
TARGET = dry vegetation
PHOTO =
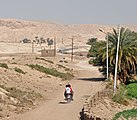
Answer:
(23, 88)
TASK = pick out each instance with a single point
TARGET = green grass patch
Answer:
(120, 96)
(131, 90)
(37, 58)
(126, 114)
(19, 70)
(61, 66)
(125, 92)
(51, 71)
(4, 65)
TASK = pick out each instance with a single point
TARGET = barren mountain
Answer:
(12, 30)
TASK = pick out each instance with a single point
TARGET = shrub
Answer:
(125, 92)
(61, 66)
(132, 90)
(17, 93)
(14, 63)
(67, 69)
(120, 96)
(4, 65)
(126, 114)
(65, 61)
(19, 70)
(37, 58)
(90, 61)
(51, 71)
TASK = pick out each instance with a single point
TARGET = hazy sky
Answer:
(72, 11)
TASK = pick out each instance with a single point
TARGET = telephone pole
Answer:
(62, 41)
(72, 50)
(32, 47)
(54, 46)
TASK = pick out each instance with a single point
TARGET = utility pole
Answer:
(54, 46)
(62, 41)
(32, 47)
(72, 50)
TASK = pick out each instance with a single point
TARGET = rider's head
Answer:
(68, 85)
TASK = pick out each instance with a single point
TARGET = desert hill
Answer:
(12, 30)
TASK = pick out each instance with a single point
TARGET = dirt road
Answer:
(84, 85)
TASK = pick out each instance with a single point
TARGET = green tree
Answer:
(95, 45)
(92, 41)
(127, 52)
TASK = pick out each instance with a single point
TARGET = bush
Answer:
(4, 65)
(65, 61)
(120, 96)
(17, 93)
(51, 71)
(132, 90)
(19, 70)
(91, 41)
(126, 114)
(45, 60)
(14, 63)
(61, 66)
(90, 61)
(125, 92)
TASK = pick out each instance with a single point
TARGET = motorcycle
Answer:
(68, 98)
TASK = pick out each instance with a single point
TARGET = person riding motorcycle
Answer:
(68, 90)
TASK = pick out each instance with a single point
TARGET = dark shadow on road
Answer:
(92, 79)
(63, 102)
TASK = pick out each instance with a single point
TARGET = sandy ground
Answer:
(56, 108)
(53, 107)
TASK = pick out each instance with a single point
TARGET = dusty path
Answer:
(57, 109)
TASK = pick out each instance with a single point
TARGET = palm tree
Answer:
(127, 52)
(95, 45)
(37, 39)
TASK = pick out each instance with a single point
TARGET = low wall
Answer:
(86, 113)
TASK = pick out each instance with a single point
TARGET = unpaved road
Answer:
(84, 85)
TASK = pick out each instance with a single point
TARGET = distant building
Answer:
(48, 53)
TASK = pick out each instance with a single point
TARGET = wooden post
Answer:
(32, 47)
(54, 46)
